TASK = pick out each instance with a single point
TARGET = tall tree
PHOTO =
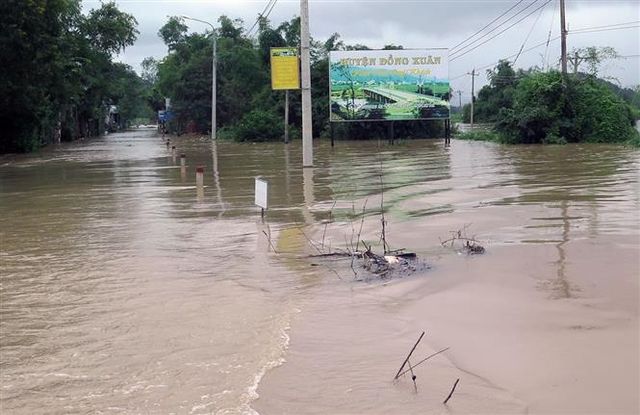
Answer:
(56, 67)
(592, 57)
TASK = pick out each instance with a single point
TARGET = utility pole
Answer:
(286, 116)
(459, 100)
(473, 90)
(563, 33)
(305, 60)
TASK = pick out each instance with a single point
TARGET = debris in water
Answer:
(465, 244)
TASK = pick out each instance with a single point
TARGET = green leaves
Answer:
(173, 32)
(56, 69)
(550, 109)
(110, 30)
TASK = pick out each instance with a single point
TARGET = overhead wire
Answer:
(609, 25)
(528, 35)
(270, 3)
(488, 24)
(601, 30)
(518, 13)
(546, 50)
(592, 29)
(499, 33)
(507, 57)
(583, 30)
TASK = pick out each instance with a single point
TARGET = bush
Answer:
(553, 110)
(257, 125)
(634, 141)
(479, 135)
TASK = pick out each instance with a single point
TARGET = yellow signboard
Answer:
(285, 68)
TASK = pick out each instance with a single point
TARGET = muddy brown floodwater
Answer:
(124, 289)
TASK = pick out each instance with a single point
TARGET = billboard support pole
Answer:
(447, 131)
(307, 139)
(286, 116)
(331, 132)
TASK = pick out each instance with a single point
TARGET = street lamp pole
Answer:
(213, 77)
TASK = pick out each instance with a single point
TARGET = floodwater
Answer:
(126, 289)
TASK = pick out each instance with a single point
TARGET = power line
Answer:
(508, 57)
(609, 25)
(524, 51)
(269, 4)
(528, 35)
(546, 50)
(489, 24)
(462, 49)
(549, 40)
(584, 30)
(499, 33)
(272, 6)
(602, 30)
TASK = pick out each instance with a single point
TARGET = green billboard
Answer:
(384, 85)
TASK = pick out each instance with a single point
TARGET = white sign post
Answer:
(261, 194)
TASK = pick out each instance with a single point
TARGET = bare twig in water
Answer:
(413, 377)
(324, 231)
(355, 273)
(335, 272)
(451, 393)
(331, 254)
(346, 244)
(384, 232)
(311, 242)
(469, 245)
(408, 356)
(327, 223)
(364, 207)
(331, 210)
(425, 359)
(270, 243)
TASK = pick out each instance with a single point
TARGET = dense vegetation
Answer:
(247, 108)
(58, 75)
(59, 81)
(546, 107)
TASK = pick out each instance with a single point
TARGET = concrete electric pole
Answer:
(473, 91)
(305, 61)
(563, 33)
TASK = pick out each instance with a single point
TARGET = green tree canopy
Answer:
(57, 69)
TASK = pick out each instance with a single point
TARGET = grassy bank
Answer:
(497, 137)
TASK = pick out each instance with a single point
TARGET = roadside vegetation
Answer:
(247, 108)
(58, 75)
(59, 82)
(528, 107)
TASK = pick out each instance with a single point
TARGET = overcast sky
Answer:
(420, 24)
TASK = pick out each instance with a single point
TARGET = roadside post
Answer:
(200, 176)
(261, 195)
(200, 182)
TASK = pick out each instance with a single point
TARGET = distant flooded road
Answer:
(125, 290)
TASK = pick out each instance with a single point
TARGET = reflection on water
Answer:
(124, 289)
(561, 286)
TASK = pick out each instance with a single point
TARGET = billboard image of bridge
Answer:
(379, 85)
